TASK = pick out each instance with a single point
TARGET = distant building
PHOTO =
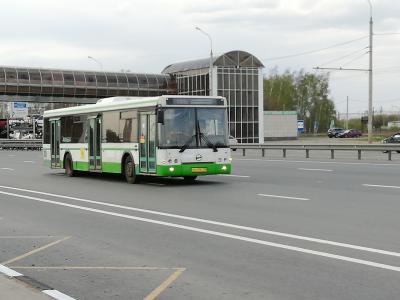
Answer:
(280, 125)
(394, 124)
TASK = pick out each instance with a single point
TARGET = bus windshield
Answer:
(194, 128)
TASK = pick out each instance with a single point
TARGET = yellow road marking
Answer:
(155, 293)
(35, 251)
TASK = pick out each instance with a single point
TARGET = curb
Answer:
(45, 289)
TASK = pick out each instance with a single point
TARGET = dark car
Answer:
(350, 133)
(333, 132)
(394, 139)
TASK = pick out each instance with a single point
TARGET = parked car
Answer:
(233, 142)
(393, 139)
(350, 133)
(333, 132)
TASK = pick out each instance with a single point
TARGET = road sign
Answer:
(19, 110)
(300, 126)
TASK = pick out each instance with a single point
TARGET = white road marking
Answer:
(11, 155)
(216, 233)
(9, 272)
(316, 162)
(29, 161)
(284, 197)
(57, 295)
(9, 169)
(206, 221)
(322, 170)
(382, 186)
(233, 175)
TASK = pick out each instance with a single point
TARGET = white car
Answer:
(233, 142)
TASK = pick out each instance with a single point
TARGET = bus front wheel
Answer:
(129, 171)
(69, 169)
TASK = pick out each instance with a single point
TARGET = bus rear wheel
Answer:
(69, 169)
(129, 171)
(189, 179)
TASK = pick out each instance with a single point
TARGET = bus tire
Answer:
(69, 168)
(189, 179)
(129, 170)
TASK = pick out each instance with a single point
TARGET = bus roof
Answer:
(116, 103)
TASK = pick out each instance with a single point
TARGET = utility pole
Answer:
(370, 90)
(369, 70)
(347, 113)
(211, 58)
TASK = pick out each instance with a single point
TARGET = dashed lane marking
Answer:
(321, 170)
(9, 169)
(382, 186)
(284, 197)
(233, 175)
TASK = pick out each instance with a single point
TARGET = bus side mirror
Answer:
(160, 116)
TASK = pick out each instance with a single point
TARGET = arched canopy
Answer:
(235, 58)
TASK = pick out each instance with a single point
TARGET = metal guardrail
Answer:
(386, 148)
(6, 144)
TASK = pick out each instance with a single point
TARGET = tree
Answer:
(304, 92)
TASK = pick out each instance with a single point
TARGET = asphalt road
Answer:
(291, 228)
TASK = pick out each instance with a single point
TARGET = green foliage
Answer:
(306, 93)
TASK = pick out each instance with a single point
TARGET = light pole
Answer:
(371, 23)
(211, 58)
(97, 61)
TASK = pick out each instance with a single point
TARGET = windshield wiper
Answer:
(187, 144)
(205, 138)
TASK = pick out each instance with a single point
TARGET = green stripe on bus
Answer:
(110, 167)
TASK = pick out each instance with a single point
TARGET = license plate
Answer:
(199, 170)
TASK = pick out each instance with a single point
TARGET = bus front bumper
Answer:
(193, 169)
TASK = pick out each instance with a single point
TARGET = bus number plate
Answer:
(199, 170)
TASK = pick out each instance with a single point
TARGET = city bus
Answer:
(166, 136)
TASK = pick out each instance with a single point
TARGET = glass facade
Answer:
(81, 84)
(236, 76)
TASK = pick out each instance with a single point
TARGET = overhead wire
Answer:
(341, 57)
(316, 50)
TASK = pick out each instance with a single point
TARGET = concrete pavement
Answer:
(11, 288)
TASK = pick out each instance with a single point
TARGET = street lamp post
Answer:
(97, 61)
(211, 58)
(370, 90)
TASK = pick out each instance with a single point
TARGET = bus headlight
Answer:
(171, 169)
(223, 168)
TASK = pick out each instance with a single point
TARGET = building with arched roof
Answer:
(237, 76)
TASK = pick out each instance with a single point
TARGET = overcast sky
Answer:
(147, 35)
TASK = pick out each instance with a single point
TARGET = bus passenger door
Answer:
(94, 143)
(147, 141)
(55, 133)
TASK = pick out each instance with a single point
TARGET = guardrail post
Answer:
(332, 154)
(263, 152)
(389, 155)
(359, 154)
(307, 153)
(284, 153)
(244, 152)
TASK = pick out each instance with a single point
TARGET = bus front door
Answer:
(147, 141)
(94, 143)
(55, 133)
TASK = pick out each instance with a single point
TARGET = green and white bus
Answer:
(178, 136)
